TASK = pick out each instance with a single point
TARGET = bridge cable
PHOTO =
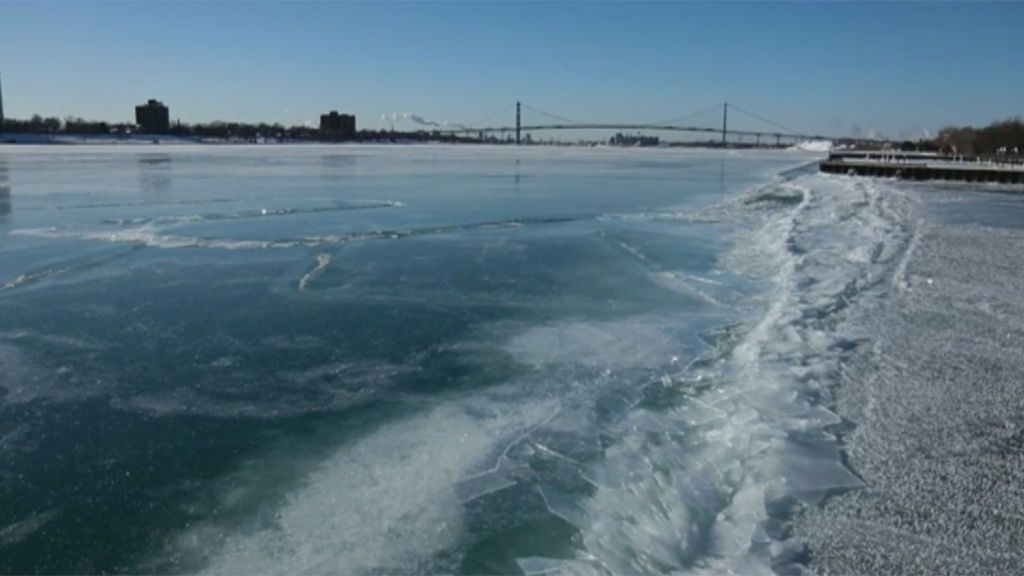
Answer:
(685, 116)
(791, 131)
(482, 120)
(553, 116)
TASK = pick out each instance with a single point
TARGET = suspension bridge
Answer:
(776, 131)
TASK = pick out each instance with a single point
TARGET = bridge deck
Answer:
(651, 127)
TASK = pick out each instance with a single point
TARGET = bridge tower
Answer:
(725, 119)
(517, 123)
(1, 107)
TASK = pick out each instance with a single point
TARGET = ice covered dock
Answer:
(923, 166)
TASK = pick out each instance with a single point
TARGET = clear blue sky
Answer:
(822, 67)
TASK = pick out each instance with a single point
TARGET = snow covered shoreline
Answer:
(932, 395)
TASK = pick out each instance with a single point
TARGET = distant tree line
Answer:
(242, 131)
(1003, 138)
(237, 131)
(74, 125)
(34, 125)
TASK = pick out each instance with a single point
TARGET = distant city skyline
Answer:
(902, 70)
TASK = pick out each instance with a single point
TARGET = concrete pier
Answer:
(919, 167)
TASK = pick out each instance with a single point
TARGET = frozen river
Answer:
(355, 359)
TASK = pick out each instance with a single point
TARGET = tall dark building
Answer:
(153, 118)
(336, 126)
